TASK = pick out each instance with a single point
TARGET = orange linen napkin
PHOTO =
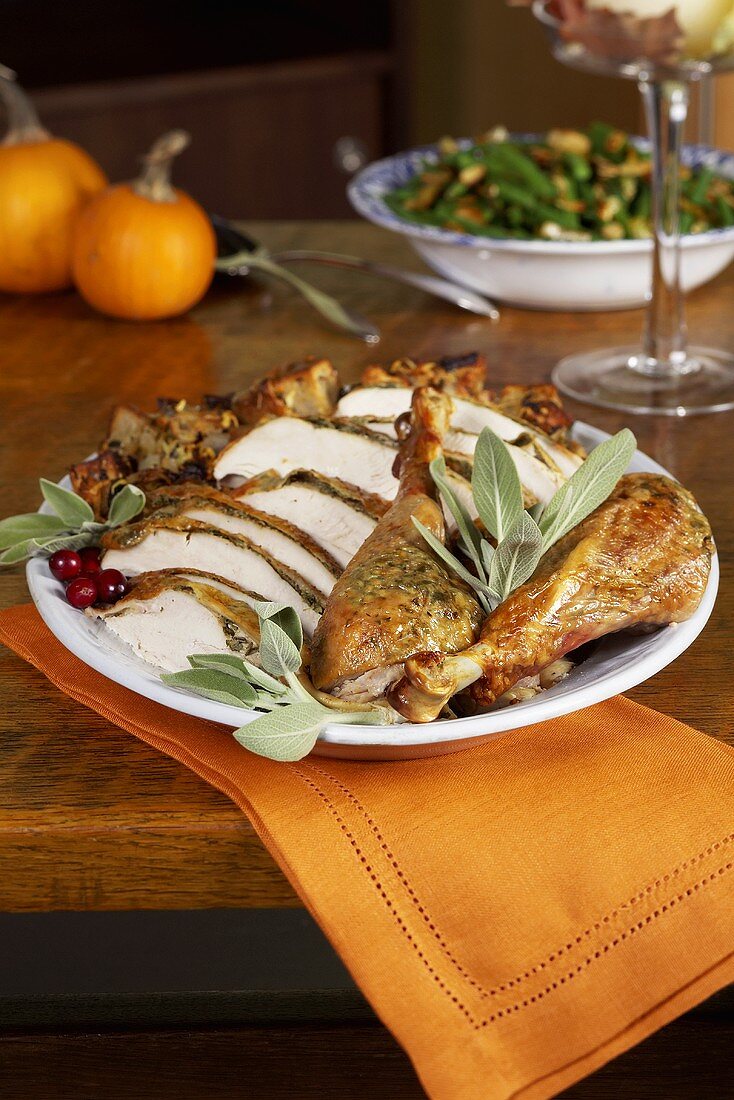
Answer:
(517, 913)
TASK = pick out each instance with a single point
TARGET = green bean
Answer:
(578, 167)
(455, 190)
(514, 194)
(572, 191)
(513, 161)
(608, 142)
(514, 217)
(725, 211)
(599, 133)
(699, 186)
(464, 159)
(565, 218)
(586, 194)
(642, 205)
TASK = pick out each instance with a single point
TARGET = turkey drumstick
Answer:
(641, 560)
(396, 597)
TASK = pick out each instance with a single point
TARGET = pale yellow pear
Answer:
(700, 20)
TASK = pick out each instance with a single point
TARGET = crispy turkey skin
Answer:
(642, 559)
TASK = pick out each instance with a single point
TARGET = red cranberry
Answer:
(111, 584)
(81, 592)
(65, 564)
(90, 560)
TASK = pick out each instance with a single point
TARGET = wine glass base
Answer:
(704, 383)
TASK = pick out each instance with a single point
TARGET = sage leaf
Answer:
(228, 663)
(126, 504)
(267, 702)
(67, 505)
(588, 487)
(278, 653)
(446, 556)
(286, 734)
(238, 667)
(32, 548)
(285, 616)
(32, 525)
(71, 527)
(28, 548)
(493, 593)
(488, 552)
(470, 536)
(65, 542)
(516, 556)
(495, 485)
(262, 679)
(213, 684)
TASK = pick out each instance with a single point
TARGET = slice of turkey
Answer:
(186, 544)
(472, 416)
(537, 477)
(335, 517)
(378, 406)
(375, 402)
(168, 616)
(282, 540)
(332, 448)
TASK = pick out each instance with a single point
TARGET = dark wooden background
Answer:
(267, 91)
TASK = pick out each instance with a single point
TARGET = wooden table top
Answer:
(89, 817)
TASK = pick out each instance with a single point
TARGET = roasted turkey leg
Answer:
(641, 560)
(396, 597)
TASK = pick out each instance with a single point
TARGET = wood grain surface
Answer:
(328, 1062)
(92, 819)
(89, 817)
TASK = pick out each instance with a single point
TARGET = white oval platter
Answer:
(618, 663)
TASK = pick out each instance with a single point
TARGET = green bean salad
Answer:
(573, 185)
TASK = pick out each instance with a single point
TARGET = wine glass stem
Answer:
(664, 341)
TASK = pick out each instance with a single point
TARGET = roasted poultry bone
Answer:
(396, 597)
(641, 560)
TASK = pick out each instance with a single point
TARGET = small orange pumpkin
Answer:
(44, 183)
(145, 250)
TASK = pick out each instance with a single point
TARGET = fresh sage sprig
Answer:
(329, 307)
(294, 718)
(522, 537)
(71, 526)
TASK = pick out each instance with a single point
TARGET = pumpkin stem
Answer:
(23, 122)
(154, 181)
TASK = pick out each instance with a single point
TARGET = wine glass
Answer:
(662, 375)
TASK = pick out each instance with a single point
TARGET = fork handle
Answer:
(441, 288)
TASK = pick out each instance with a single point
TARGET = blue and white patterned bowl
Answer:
(562, 275)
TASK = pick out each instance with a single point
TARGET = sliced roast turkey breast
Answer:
(286, 542)
(168, 616)
(335, 515)
(377, 407)
(333, 448)
(538, 479)
(186, 544)
(472, 416)
(375, 402)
